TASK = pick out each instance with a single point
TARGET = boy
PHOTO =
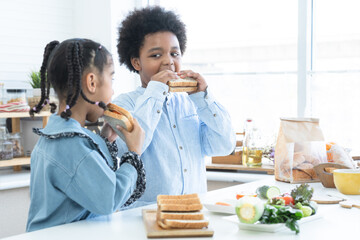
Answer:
(180, 128)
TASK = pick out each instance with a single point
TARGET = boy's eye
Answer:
(175, 54)
(155, 55)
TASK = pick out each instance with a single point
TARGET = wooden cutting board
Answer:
(154, 231)
(324, 199)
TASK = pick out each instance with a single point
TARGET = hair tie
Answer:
(67, 107)
(97, 103)
(34, 108)
(100, 47)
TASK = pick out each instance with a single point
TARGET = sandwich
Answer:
(180, 212)
(116, 115)
(183, 85)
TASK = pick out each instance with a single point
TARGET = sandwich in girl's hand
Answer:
(183, 85)
(116, 115)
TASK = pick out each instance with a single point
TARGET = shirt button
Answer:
(180, 147)
(167, 103)
(174, 126)
(185, 170)
(158, 111)
(206, 97)
(214, 115)
(164, 93)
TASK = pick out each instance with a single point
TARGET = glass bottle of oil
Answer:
(252, 149)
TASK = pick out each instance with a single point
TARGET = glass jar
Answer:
(16, 95)
(18, 150)
(6, 146)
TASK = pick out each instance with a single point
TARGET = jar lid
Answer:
(15, 90)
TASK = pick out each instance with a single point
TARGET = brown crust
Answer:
(115, 108)
(121, 114)
(182, 89)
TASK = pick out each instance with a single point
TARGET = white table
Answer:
(335, 222)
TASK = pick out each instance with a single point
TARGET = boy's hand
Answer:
(164, 76)
(202, 85)
(134, 139)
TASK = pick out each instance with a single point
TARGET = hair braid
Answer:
(77, 73)
(69, 61)
(44, 94)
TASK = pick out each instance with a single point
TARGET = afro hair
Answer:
(142, 22)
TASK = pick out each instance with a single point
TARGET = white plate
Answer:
(269, 227)
(213, 207)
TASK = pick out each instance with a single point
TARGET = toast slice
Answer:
(179, 201)
(183, 224)
(185, 196)
(180, 215)
(180, 207)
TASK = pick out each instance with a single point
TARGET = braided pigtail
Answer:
(44, 82)
(73, 60)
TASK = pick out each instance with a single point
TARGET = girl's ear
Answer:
(91, 82)
(135, 62)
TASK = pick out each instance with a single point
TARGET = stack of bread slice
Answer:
(180, 211)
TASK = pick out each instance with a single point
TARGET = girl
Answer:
(74, 172)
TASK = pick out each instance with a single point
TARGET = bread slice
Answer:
(180, 207)
(185, 196)
(183, 82)
(183, 224)
(179, 201)
(182, 89)
(180, 215)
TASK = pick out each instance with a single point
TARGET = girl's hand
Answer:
(108, 132)
(164, 76)
(134, 139)
(202, 85)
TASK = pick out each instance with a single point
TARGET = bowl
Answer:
(347, 181)
(325, 173)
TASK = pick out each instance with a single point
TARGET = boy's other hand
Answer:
(134, 139)
(202, 85)
(164, 76)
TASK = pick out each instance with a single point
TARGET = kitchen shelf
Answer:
(15, 118)
(16, 163)
(265, 168)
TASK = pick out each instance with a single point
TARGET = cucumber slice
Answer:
(272, 192)
(261, 191)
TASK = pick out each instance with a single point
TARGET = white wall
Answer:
(27, 26)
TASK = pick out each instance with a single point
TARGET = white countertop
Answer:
(10, 179)
(335, 222)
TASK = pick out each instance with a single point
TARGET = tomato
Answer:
(240, 195)
(223, 204)
(288, 199)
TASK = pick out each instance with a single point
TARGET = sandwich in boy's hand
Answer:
(116, 115)
(183, 85)
(180, 211)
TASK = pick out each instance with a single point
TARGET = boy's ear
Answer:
(135, 62)
(91, 82)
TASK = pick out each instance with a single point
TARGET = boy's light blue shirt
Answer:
(70, 176)
(180, 130)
